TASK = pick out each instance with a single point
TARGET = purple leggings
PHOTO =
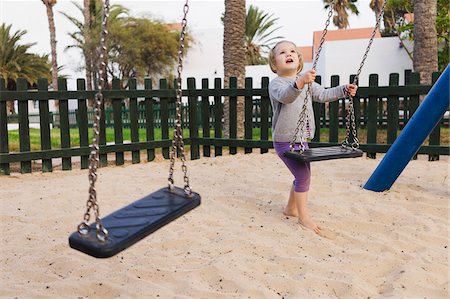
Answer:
(300, 170)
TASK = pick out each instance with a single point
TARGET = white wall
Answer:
(343, 58)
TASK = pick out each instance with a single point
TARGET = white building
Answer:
(341, 55)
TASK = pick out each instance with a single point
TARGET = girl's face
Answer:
(286, 59)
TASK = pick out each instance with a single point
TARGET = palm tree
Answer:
(341, 8)
(87, 38)
(388, 21)
(17, 62)
(234, 57)
(51, 24)
(258, 32)
(425, 39)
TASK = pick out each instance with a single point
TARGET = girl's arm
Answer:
(283, 92)
(323, 95)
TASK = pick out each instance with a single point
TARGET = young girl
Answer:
(287, 94)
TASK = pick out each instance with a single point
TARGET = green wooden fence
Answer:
(376, 107)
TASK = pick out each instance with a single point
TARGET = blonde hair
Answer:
(272, 56)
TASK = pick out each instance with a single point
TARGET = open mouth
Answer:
(289, 60)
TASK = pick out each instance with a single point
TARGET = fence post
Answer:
(164, 117)
(318, 109)
(233, 112)
(372, 118)
(134, 121)
(193, 122)
(102, 133)
(248, 114)
(118, 122)
(435, 135)
(64, 125)
(24, 126)
(44, 123)
(4, 147)
(356, 110)
(392, 110)
(334, 114)
(149, 120)
(218, 114)
(414, 99)
(205, 113)
(83, 125)
(265, 103)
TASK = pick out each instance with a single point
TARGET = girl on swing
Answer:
(287, 94)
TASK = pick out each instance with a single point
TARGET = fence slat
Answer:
(392, 111)
(265, 103)
(164, 117)
(319, 110)
(193, 121)
(248, 114)
(118, 122)
(435, 135)
(233, 113)
(149, 120)
(4, 143)
(356, 110)
(134, 125)
(44, 124)
(414, 99)
(372, 116)
(102, 133)
(64, 123)
(334, 114)
(82, 121)
(205, 113)
(24, 126)
(218, 113)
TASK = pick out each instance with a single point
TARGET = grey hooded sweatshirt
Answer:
(287, 102)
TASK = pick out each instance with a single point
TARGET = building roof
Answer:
(173, 26)
(344, 34)
(332, 35)
(409, 17)
(307, 53)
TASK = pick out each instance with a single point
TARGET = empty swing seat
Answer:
(135, 221)
(323, 153)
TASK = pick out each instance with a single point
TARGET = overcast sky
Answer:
(298, 19)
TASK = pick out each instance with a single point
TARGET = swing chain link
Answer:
(83, 227)
(303, 115)
(350, 118)
(177, 140)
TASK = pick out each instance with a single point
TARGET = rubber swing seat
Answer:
(135, 221)
(323, 153)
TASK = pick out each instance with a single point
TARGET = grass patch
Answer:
(35, 139)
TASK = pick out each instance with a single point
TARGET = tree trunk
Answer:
(51, 24)
(87, 52)
(87, 43)
(425, 39)
(234, 58)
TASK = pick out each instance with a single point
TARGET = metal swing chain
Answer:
(303, 116)
(350, 118)
(83, 227)
(178, 132)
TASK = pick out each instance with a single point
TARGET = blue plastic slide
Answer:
(426, 117)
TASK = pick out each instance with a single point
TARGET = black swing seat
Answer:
(135, 221)
(323, 153)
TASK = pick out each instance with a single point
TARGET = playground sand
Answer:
(237, 244)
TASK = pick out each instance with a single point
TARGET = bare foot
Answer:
(308, 223)
(290, 213)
